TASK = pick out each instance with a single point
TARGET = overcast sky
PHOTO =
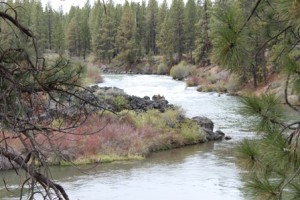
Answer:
(66, 4)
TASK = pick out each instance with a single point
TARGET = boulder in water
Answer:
(208, 126)
(204, 122)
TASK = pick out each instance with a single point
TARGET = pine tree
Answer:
(72, 38)
(162, 14)
(190, 16)
(58, 38)
(242, 38)
(37, 22)
(161, 41)
(84, 28)
(177, 27)
(95, 24)
(229, 42)
(126, 35)
(49, 21)
(151, 26)
(203, 41)
(165, 40)
(140, 35)
(107, 34)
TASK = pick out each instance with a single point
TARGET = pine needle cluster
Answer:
(273, 159)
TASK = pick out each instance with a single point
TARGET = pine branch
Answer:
(41, 179)
(25, 30)
(286, 94)
(250, 16)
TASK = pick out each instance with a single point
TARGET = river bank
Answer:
(128, 127)
(208, 79)
(133, 128)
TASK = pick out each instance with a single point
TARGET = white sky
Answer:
(66, 4)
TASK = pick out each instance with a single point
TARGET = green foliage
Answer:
(211, 78)
(162, 68)
(290, 11)
(162, 14)
(191, 132)
(126, 36)
(151, 26)
(248, 154)
(269, 163)
(58, 35)
(72, 35)
(176, 17)
(164, 40)
(263, 188)
(290, 65)
(189, 26)
(99, 159)
(71, 72)
(168, 123)
(92, 75)
(292, 69)
(272, 160)
(203, 42)
(229, 48)
(266, 110)
(156, 119)
(120, 103)
(58, 123)
(234, 84)
(180, 71)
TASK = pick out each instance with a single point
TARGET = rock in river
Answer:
(208, 126)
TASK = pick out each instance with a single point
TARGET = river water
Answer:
(205, 171)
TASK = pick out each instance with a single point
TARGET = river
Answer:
(205, 171)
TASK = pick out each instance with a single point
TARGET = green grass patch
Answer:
(100, 159)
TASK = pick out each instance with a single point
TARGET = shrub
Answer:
(212, 79)
(93, 74)
(234, 83)
(179, 71)
(222, 89)
(192, 81)
(147, 68)
(127, 135)
(162, 68)
(192, 70)
(182, 70)
(206, 88)
(191, 132)
(120, 103)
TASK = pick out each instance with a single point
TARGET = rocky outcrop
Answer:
(116, 99)
(208, 126)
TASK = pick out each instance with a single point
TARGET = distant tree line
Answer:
(249, 42)
(127, 32)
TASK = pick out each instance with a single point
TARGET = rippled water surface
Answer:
(205, 171)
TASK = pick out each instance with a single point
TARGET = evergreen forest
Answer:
(250, 38)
